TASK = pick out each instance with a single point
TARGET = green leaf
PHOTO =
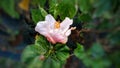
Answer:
(102, 6)
(29, 53)
(9, 7)
(101, 63)
(36, 63)
(79, 50)
(42, 43)
(39, 2)
(32, 51)
(96, 50)
(53, 8)
(62, 56)
(43, 12)
(85, 6)
(114, 38)
(63, 8)
(36, 15)
(85, 17)
(63, 53)
(51, 63)
(59, 46)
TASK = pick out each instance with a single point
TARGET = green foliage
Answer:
(9, 7)
(35, 63)
(30, 53)
(63, 53)
(79, 50)
(42, 44)
(38, 2)
(43, 12)
(38, 14)
(101, 6)
(54, 56)
(51, 63)
(93, 57)
(97, 50)
(115, 61)
(84, 6)
(64, 8)
(114, 38)
(85, 17)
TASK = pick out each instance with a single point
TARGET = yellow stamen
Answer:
(57, 24)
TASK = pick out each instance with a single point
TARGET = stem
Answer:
(51, 50)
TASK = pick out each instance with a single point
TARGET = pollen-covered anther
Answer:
(57, 24)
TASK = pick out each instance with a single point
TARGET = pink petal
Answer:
(55, 38)
(59, 38)
(50, 39)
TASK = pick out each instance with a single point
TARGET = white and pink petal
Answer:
(42, 28)
(64, 26)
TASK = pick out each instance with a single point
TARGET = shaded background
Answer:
(98, 30)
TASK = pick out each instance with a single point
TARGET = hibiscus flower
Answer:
(53, 30)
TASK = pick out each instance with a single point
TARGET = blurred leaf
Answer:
(24, 4)
(114, 38)
(59, 46)
(62, 56)
(9, 7)
(115, 59)
(97, 51)
(42, 44)
(101, 63)
(102, 6)
(85, 6)
(38, 2)
(105, 25)
(35, 63)
(92, 61)
(29, 53)
(36, 15)
(60, 8)
(79, 50)
(43, 12)
(53, 7)
(51, 63)
(63, 53)
(107, 15)
(85, 17)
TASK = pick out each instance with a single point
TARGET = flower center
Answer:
(57, 25)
